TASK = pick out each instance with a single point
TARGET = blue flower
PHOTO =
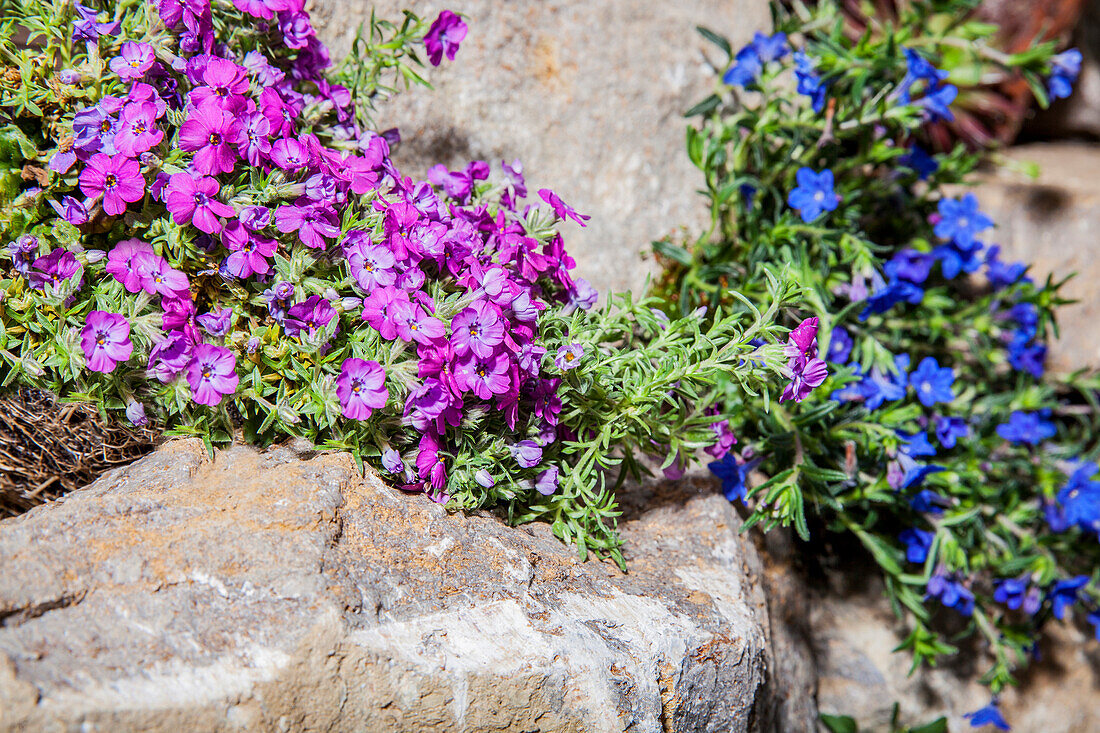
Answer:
(732, 475)
(1018, 593)
(1026, 314)
(1080, 499)
(1064, 69)
(950, 429)
(989, 715)
(932, 382)
(1094, 619)
(951, 593)
(920, 161)
(917, 543)
(770, 48)
(840, 346)
(954, 259)
(1065, 593)
(1025, 355)
(879, 388)
(1026, 427)
(937, 103)
(918, 69)
(809, 83)
(961, 221)
(909, 264)
(1003, 274)
(927, 501)
(916, 445)
(890, 295)
(746, 68)
(814, 194)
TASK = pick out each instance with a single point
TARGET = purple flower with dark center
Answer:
(289, 154)
(133, 60)
(385, 309)
(94, 130)
(120, 263)
(418, 326)
(311, 315)
(312, 223)
(444, 37)
(222, 83)
(117, 178)
(547, 481)
(214, 135)
(169, 357)
(562, 209)
(278, 300)
(137, 130)
(192, 201)
(248, 251)
(478, 328)
(106, 340)
(216, 323)
(53, 269)
(157, 276)
(484, 376)
(135, 413)
(814, 194)
(255, 144)
(361, 388)
(372, 265)
(527, 453)
(569, 357)
(71, 210)
(211, 374)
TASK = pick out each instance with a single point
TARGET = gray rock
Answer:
(281, 591)
(589, 95)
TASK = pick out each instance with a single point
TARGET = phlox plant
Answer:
(936, 440)
(203, 233)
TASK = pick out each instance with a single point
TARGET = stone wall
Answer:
(589, 95)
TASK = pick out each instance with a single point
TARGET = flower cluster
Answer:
(224, 250)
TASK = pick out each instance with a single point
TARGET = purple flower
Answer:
(192, 201)
(133, 60)
(917, 544)
(211, 374)
(135, 413)
(950, 429)
(569, 357)
(527, 453)
(547, 481)
(217, 323)
(311, 314)
(951, 593)
(117, 178)
(361, 388)
(444, 37)
(430, 462)
(214, 135)
(1018, 593)
(484, 479)
(391, 461)
(562, 209)
(1064, 69)
(137, 130)
(413, 324)
(71, 210)
(222, 83)
(484, 376)
(289, 154)
(169, 357)
(264, 9)
(157, 276)
(312, 223)
(248, 251)
(53, 269)
(807, 371)
(120, 263)
(105, 340)
(478, 328)
(372, 265)
(385, 309)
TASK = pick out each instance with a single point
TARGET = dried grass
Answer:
(48, 448)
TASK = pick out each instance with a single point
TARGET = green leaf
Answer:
(839, 723)
(716, 39)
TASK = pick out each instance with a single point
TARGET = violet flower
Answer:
(361, 388)
(444, 37)
(53, 269)
(310, 315)
(214, 135)
(211, 374)
(562, 209)
(547, 481)
(106, 340)
(120, 263)
(807, 371)
(133, 60)
(192, 201)
(478, 328)
(527, 453)
(135, 413)
(117, 178)
(216, 323)
(484, 376)
(569, 357)
(169, 357)
(137, 130)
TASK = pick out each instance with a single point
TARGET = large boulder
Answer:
(280, 590)
(589, 95)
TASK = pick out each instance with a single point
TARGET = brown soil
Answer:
(48, 448)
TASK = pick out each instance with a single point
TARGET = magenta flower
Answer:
(478, 328)
(562, 209)
(117, 178)
(385, 309)
(264, 9)
(211, 374)
(71, 210)
(214, 134)
(53, 269)
(248, 250)
(311, 314)
(256, 145)
(157, 276)
(137, 130)
(223, 83)
(361, 388)
(444, 37)
(106, 340)
(431, 465)
(416, 325)
(569, 357)
(484, 376)
(372, 266)
(133, 60)
(807, 371)
(120, 263)
(169, 357)
(312, 223)
(193, 201)
(289, 154)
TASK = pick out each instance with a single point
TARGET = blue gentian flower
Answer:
(879, 388)
(951, 593)
(932, 382)
(1026, 427)
(894, 292)
(840, 345)
(961, 221)
(915, 473)
(732, 475)
(814, 194)
(916, 445)
(1064, 69)
(809, 83)
(918, 69)
(950, 429)
(989, 715)
(1065, 593)
(917, 544)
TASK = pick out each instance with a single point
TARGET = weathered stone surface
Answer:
(280, 591)
(1053, 222)
(589, 95)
